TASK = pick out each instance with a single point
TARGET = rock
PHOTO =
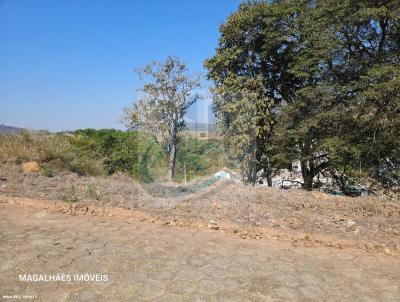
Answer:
(292, 222)
(338, 218)
(216, 205)
(30, 167)
(388, 251)
(213, 227)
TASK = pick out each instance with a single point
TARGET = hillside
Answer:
(5, 129)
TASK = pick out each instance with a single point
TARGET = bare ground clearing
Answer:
(310, 218)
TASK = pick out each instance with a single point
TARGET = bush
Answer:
(117, 149)
(73, 154)
(47, 170)
(71, 196)
(86, 166)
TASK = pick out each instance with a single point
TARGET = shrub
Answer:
(117, 149)
(72, 153)
(91, 192)
(71, 196)
(47, 170)
(86, 166)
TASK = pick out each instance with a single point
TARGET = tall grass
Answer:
(53, 152)
(108, 151)
(19, 148)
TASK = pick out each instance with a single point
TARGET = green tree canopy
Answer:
(323, 76)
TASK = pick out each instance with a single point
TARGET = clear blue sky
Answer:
(68, 64)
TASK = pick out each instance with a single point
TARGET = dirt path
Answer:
(149, 262)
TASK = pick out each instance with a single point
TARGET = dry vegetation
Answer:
(18, 148)
(373, 221)
(53, 152)
(369, 221)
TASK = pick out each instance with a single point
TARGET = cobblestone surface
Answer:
(148, 262)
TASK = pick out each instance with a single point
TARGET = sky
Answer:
(69, 64)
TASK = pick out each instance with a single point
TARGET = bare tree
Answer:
(164, 99)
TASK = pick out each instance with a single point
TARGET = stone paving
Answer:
(149, 262)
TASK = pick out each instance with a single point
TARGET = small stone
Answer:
(213, 227)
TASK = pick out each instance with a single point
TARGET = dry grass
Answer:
(19, 148)
(52, 152)
(369, 219)
(364, 219)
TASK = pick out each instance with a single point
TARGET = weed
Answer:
(90, 192)
(71, 197)
(47, 170)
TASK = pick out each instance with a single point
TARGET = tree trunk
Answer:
(253, 178)
(269, 180)
(171, 162)
(268, 174)
(250, 173)
(307, 174)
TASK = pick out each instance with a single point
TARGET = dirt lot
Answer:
(150, 262)
(311, 218)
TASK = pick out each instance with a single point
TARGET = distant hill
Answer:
(4, 129)
(201, 127)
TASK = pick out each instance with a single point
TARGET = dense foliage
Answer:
(109, 151)
(118, 150)
(322, 80)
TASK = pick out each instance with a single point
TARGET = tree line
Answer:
(314, 81)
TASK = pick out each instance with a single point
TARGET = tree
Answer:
(351, 50)
(250, 73)
(325, 72)
(239, 109)
(164, 100)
